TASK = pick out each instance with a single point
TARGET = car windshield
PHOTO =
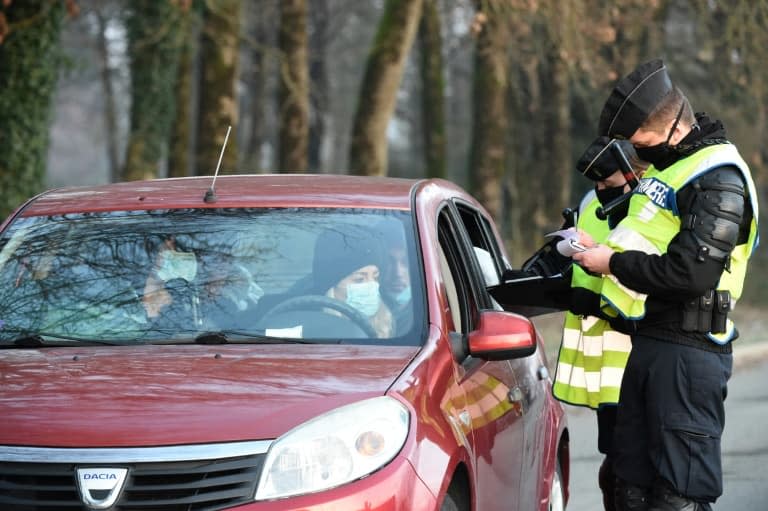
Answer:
(212, 275)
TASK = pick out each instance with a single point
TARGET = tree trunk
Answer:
(488, 153)
(110, 110)
(259, 32)
(155, 48)
(28, 70)
(555, 148)
(433, 90)
(378, 93)
(320, 86)
(742, 27)
(217, 100)
(294, 86)
(527, 177)
(180, 157)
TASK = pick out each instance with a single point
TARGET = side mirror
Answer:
(501, 336)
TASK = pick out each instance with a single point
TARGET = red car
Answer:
(283, 342)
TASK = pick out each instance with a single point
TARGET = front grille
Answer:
(199, 485)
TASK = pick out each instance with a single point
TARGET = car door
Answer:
(492, 410)
(529, 392)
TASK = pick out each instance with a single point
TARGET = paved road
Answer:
(745, 441)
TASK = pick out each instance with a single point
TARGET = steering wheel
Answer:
(320, 302)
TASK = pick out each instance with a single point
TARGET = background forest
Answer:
(500, 96)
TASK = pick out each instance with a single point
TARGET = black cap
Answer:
(600, 160)
(634, 98)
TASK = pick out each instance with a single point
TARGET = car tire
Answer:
(454, 500)
(556, 490)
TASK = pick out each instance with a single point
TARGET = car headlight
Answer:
(334, 448)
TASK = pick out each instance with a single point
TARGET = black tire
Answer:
(449, 504)
(455, 499)
(557, 492)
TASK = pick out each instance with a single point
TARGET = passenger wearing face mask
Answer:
(347, 267)
(675, 265)
(167, 295)
(396, 275)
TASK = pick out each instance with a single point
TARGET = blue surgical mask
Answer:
(403, 296)
(364, 296)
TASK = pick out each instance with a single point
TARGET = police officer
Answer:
(675, 264)
(593, 354)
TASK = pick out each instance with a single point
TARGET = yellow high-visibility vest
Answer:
(653, 220)
(592, 357)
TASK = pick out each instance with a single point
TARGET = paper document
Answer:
(569, 245)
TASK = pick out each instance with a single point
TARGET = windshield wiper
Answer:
(212, 338)
(28, 341)
(38, 340)
(225, 337)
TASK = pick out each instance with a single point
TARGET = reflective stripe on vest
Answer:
(654, 219)
(592, 355)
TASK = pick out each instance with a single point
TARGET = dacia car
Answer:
(268, 342)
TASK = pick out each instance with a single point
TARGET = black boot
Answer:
(607, 483)
(631, 498)
(666, 499)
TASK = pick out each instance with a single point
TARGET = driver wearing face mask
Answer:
(347, 267)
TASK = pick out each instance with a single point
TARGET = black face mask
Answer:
(606, 195)
(662, 155)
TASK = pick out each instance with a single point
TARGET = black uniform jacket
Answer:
(680, 274)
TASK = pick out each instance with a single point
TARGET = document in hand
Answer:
(569, 245)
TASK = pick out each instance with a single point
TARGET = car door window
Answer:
(450, 291)
(457, 272)
(487, 252)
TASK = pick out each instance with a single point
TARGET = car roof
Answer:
(258, 190)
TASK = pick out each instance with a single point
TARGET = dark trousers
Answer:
(606, 425)
(671, 417)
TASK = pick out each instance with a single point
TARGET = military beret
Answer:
(633, 99)
(600, 160)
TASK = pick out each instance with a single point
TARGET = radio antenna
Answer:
(210, 194)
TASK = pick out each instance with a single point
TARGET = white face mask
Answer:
(177, 265)
(364, 296)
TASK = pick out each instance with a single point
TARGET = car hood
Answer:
(170, 395)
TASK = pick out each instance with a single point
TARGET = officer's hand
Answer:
(585, 239)
(596, 259)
